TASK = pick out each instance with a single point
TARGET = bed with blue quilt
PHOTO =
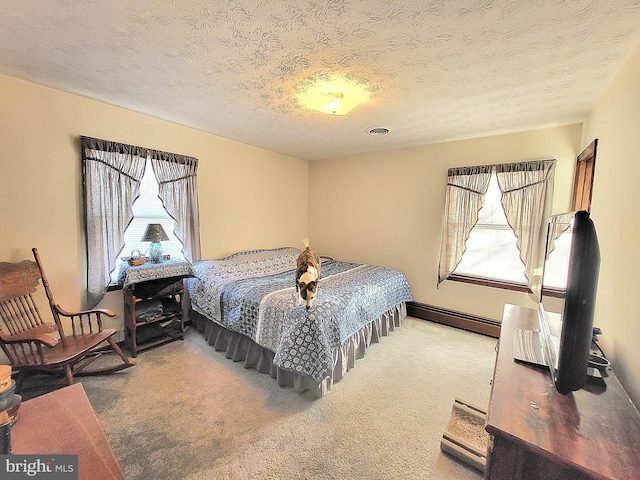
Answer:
(245, 305)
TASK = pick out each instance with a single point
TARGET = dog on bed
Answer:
(307, 276)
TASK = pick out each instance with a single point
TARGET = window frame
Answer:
(117, 166)
(490, 281)
(446, 268)
(583, 178)
(148, 172)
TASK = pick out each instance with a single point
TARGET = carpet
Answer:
(187, 412)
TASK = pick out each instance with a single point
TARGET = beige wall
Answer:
(249, 197)
(615, 122)
(387, 208)
(384, 208)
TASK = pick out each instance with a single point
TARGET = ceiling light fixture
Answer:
(331, 101)
(332, 94)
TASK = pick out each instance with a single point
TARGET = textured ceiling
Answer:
(437, 70)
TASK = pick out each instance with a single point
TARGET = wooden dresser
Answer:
(537, 433)
(63, 422)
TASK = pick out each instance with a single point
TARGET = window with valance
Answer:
(112, 173)
(526, 193)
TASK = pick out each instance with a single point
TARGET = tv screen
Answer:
(573, 275)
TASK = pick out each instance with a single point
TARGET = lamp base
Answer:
(155, 252)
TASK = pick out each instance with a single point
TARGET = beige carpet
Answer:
(187, 412)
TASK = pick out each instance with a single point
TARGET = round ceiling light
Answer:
(331, 93)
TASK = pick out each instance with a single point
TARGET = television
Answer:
(570, 273)
(567, 337)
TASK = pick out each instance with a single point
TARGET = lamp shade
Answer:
(154, 233)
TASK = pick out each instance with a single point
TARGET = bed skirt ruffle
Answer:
(238, 347)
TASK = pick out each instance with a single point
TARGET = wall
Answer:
(387, 208)
(384, 208)
(249, 198)
(615, 122)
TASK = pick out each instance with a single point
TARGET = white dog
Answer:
(307, 276)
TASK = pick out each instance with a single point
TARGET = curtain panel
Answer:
(176, 175)
(112, 174)
(556, 229)
(527, 193)
(466, 187)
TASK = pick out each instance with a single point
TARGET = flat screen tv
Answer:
(566, 338)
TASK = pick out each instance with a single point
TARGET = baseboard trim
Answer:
(452, 318)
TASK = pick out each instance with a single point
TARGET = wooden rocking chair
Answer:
(34, 346)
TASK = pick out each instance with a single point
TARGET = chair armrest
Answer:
(38, 334)
(102, 311)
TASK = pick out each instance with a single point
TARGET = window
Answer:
(491, 250)
(557, 265)
(112, 176)
(495, 224)
(148, 209)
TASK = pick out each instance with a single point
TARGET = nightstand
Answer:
(153, 303)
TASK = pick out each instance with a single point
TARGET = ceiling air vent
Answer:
(378, 131)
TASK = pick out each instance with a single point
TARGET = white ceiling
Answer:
(438, 69)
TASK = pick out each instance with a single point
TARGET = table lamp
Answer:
(155, 234)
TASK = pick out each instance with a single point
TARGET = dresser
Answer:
(537, 433)
(63, 422)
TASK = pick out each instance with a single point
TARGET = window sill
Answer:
(553, 292)
(490, 282)
(504, 285)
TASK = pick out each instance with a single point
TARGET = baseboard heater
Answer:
(452, 318)
(465, 437)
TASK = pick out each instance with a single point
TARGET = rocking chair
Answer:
(34, 346)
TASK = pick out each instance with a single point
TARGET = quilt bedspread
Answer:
(253, 293)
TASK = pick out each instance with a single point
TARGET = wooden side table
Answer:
(63, 422)
(153, 302)
(166, 295)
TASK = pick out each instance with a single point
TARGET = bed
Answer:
(245, 305)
